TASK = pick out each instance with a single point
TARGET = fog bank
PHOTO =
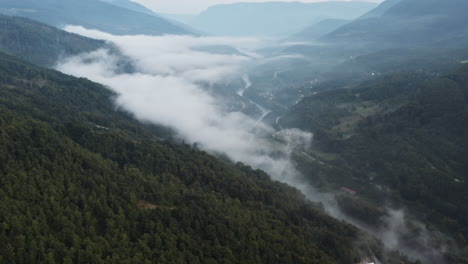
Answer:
(167, 88)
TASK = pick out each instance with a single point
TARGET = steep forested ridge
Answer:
(407, 23)
(401, 138)
(39, 43)
(83, 183)
(93, 14)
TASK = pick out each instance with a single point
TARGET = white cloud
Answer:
(166, 90)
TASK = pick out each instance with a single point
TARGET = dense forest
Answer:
(39, 43)
(401, 138)
(85, 183)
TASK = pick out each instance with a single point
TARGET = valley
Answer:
(136, 137)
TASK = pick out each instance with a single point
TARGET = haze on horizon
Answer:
(197, 6)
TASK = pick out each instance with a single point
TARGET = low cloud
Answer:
(167, 88)
(413, 238)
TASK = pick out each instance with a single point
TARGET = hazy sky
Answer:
(196, 6)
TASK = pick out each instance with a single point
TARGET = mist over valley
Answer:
(279, 132)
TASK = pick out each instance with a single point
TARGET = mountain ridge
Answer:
(67, 154)
(405, 23)
(272, 18)
(39, 43)
(400, 138)
(88, 13)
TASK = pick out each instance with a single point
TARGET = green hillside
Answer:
(84, 183)
(39, 43)
(402, 138)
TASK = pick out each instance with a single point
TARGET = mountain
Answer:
(400, 139)
(407, 23)
(398, 35)
(39, 43)
(182, 18)
(272, 18)
(83, 182)
(134, 6)
(320, 29)
(380, 9)
(94, 14)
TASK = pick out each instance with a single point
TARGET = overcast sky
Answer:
(196, 6)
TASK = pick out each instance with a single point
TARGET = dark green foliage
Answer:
(83, 183)
(39, 43)
(401, 137)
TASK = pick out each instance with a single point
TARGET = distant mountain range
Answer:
(114, 16)
(398, 35)
(272, 18)
(407, 23)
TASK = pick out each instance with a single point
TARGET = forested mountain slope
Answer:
(39, 43)
(402, 138)
(93, 14)
(84, 183)
(407, 23)
(398, 35)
